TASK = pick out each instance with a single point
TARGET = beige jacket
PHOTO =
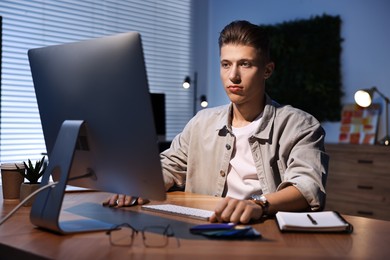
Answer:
(287, 148)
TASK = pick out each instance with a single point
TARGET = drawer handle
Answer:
(365, 161)
(368, 213)
(365, 187)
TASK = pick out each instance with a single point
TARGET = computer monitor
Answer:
(98, 125)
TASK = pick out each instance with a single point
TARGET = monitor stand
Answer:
(46, 209)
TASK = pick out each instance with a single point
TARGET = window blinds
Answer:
(165, 27)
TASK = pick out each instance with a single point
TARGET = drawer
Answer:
(352, 197)
(364, 209)
(352, 165)
(364, 187)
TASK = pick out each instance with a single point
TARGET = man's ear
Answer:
(269, 68)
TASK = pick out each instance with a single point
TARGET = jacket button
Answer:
(222, 173)
(228, 146)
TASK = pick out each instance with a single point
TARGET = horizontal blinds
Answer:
(165, 27)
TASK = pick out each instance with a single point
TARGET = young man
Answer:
(260, 156)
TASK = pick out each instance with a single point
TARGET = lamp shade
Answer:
(187, 82)
(203, 101)
(363, 97)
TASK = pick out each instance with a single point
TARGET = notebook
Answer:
(324, 221)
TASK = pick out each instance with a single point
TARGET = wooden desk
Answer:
(368, 241)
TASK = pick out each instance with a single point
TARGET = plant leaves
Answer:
(34, 172)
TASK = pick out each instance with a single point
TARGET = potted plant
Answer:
(32, 173)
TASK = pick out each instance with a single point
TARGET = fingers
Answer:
(252, 212)
(225, 209)
(124, 200)
(121, 200)
(236, 211)
(142, 201)
(111, 201)
(213, 218)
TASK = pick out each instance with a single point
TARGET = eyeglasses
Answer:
(152, 236)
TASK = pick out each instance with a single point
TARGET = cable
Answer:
(26, 199)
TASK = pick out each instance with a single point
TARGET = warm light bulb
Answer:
(186, 85)
(362, 98)
(187, 82)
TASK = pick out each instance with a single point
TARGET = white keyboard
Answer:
(180, 211)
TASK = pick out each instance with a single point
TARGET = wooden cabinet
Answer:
(359, 180)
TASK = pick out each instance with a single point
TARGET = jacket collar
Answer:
(266, 124)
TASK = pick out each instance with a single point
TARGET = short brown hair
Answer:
(245, 33)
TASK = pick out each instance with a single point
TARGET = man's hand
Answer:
(121, 200)
(236, 211)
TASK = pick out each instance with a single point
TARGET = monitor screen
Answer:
(103, 83)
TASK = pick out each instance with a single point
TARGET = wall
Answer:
(365, 56)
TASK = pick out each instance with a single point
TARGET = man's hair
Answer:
(245, 33)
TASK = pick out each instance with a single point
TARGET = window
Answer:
(165, 27)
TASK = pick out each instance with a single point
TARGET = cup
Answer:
(11, 180)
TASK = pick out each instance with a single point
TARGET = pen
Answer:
(312, 219)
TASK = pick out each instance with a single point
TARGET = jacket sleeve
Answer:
(174, 160)
(307, 165)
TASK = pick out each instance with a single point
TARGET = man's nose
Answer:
(234, 75)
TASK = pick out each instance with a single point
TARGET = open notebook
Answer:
(324, 221)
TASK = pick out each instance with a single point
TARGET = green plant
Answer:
(308, 65)
(33, 172)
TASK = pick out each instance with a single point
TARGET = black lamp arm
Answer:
(382, 95)
(387, 111)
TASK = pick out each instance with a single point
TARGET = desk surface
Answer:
(368, 241)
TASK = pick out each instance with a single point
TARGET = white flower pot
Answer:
(25, 190)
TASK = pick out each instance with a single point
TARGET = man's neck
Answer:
(244, 115)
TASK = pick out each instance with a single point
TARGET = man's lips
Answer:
(235, 89)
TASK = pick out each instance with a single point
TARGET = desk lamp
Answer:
(363, 98)
(187, 84)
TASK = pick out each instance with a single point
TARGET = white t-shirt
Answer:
(242, 180)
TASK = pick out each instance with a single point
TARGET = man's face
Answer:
(243, 74)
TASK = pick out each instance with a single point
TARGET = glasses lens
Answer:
(155, 236)
(122, 237)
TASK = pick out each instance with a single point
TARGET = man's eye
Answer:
(245, 64)
(225, 65)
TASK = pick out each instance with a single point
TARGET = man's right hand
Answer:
(121, 200)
